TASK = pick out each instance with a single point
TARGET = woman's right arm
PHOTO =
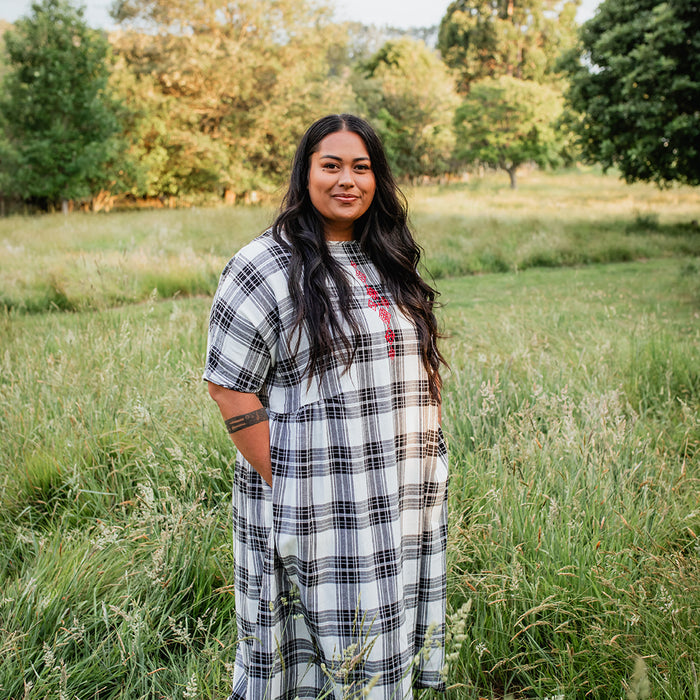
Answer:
(247, 423)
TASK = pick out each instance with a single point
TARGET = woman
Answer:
(323, 361)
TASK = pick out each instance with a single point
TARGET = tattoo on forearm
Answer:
(233, 425)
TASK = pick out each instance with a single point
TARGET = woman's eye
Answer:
(329, 166)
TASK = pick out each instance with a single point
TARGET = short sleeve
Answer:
(243, 328)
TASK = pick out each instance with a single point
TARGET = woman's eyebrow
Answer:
(338, 158)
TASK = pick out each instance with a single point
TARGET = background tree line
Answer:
(208, 99)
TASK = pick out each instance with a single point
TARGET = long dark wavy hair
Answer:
(384, 236)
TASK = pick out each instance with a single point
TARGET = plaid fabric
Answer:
(340, 566)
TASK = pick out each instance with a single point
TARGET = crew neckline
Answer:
(332, 244)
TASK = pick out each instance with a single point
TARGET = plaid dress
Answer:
(340, 566)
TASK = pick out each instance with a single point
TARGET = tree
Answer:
(4, 146)
(521, 38)
(221, 93)
(58, 118)
(505, 122)
(409, 95)
(167, 154)
(635, 85)
(4, 26)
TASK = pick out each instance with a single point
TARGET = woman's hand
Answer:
(247, 423)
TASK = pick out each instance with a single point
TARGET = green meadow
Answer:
(571, 309)
(95, 262)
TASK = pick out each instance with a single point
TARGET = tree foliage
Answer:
(4, 145)
(505, 122)
(59, 121)
(409, 95)
(222, 92)
(636, 87)
(521, 38)
(4, 27)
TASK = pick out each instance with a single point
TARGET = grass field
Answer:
(572, 411)
(98, 261)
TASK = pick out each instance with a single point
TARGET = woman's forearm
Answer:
(247, 423)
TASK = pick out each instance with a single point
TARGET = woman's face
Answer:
(341, 183)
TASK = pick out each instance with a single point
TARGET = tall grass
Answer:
(575, 440)
(87, 261)
(552, 220)
(572, 413)
(115, 555)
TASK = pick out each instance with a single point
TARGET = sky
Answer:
(397, 13)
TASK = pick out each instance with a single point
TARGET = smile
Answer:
(345, 197)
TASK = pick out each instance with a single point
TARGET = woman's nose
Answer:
(345, 177)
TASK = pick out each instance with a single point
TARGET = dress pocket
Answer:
(252, 539)
(436, 477)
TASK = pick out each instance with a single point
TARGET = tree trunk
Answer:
(513, 181)
(65, 206)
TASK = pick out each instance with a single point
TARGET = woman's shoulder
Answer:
(260, 270)
(264, 254)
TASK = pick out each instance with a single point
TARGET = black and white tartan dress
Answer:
(340, 566)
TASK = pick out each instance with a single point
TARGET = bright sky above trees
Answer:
(401, 13)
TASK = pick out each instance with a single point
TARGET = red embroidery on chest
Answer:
(381, 304)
